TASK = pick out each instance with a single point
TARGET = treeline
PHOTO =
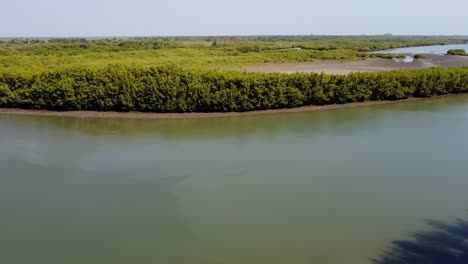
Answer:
(241, 44)
(174, 89)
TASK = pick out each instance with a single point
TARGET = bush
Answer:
(5, 96)
(175, 89)
(458, 52)
(419, 56)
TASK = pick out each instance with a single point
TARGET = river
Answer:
(326, 187)
(435, 49)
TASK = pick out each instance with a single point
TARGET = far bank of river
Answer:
(279, 95)
(142, 115)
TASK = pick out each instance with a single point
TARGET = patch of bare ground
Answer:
(368, 65)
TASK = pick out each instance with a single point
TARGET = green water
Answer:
(319, 187)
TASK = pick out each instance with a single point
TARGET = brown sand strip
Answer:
(141, 115)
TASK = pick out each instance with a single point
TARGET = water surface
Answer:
(320, 187)
(436, 49)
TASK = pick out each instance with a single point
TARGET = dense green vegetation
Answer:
(191, 74)
(419, 56)
(44, 55)
(459, 52)
(174, 89)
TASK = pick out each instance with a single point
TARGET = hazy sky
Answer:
(28, 18)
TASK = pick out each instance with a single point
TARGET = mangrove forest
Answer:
(198, 74)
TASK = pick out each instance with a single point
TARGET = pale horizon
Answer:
(225, 36)
(146, 18)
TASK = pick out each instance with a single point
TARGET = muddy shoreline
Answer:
(367, 65)
(143, 115)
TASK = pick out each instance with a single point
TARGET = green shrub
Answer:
(459, 52)
(175, 89)
(6, 96)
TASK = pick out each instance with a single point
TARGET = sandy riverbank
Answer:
(141, 115)
(368, 65)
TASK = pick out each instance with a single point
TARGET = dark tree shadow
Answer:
(443, 244)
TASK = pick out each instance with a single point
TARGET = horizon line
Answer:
(233, 35)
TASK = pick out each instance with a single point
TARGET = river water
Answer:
(436, 49)
(319, 187)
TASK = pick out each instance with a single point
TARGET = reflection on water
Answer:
(64, 211)
(241, 128)
(443, 244)
(325, 187)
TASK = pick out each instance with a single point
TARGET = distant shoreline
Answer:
(198, 115)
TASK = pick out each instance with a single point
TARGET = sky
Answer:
(93, 18)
